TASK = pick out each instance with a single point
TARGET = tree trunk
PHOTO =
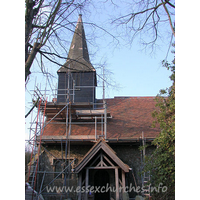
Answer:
(30, 59)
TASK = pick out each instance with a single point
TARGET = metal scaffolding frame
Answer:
(40, 123)
(145, 176)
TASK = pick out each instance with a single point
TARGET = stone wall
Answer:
(47, 164)
(129, 154)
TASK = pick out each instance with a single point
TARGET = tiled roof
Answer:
(130, 116)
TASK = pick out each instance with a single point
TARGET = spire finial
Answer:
(80, 9)
(80, 18)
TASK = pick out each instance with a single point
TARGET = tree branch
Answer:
(173, 6)
(137, 13)
(50, 53)
(170, 21)
(35, 104)
(49, 24)
(30, 59)
(37, 26)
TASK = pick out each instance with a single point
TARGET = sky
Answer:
(136, 74)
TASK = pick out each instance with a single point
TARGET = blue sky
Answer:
(137, 73)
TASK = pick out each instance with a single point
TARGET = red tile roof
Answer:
(130, 116)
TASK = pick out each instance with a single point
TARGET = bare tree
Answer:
(45, 21)
(148, 17)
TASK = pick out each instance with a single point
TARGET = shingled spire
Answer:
(78, 56)
(77, 74)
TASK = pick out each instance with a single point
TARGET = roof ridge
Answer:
(129, 97)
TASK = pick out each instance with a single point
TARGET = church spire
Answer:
(78, 56)
(78, 46)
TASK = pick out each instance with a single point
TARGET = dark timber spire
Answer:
(78, 56)
(77, 75)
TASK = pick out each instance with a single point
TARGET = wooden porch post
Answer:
(117, 183)
(86, 182)
(79, 184)
(123, 180)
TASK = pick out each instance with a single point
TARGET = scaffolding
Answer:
(68, 113)
(145, 176)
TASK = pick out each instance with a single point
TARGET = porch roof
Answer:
(101, 144)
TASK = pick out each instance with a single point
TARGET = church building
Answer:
(90, 147)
